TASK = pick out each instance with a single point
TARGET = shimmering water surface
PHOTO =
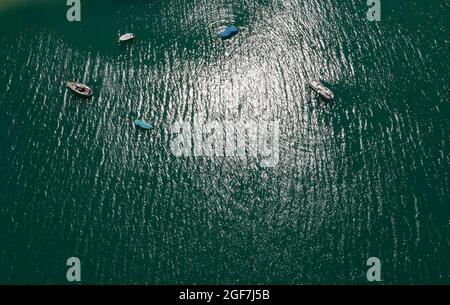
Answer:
(366, 175)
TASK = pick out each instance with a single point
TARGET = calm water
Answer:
(364, 176)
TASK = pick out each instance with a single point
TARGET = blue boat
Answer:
(229, 32)
(143, 124)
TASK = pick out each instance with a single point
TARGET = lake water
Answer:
(364, 176)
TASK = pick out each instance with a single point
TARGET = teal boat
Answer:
(143, 124)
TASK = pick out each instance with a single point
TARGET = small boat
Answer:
(229, 32)
(143, 124)
(80, 89)
(127, 37)
(321, 90)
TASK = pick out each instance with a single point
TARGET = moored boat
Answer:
(80, 89)
(321, 90)
(229, 32)
(127, 37)
(142, 124)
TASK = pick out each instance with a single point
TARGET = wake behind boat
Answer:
(321, 90)
(127, 37)
(80, 89)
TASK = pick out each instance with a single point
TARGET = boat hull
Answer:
(126, 37)
(143, 125)
(322, 91)
(229, 33)
(79, 89)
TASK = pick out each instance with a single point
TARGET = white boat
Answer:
(321, 90)
(80, 89)
(127, 37)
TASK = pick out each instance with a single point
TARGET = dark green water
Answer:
(364, 176)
